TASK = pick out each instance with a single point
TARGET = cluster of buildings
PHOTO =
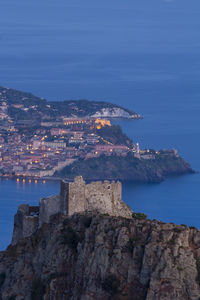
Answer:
(42, 150)
(37, 149)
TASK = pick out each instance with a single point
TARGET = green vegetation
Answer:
(126, 168)
(37, 289)
(17, 97)
(139, 216)
(184, 225)
(111, 284)
(2, 278)
(82, 108)
(192, 227)
(115, 135)
(38, 106)
(19, 114)
(179, 229)
(70, 238)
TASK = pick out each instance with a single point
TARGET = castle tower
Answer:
(75, 197)
(72, 196)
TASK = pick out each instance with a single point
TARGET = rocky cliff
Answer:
(75, 197)
(100, 257)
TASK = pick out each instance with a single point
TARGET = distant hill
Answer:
(21, 105)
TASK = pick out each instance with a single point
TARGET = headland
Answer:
(54, 140)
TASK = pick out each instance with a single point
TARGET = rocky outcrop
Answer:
(75, 197)
(25, 222)
(115, 112)
(128, 168)
(100, 257)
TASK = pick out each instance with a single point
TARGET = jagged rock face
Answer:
(115, 112)
(101, 257)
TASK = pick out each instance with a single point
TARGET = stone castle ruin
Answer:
(75, 197)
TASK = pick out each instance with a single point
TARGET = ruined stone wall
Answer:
(76, 196)
(48, 207)
(100, 196)
(103, 197)
(106, 198)
(25, 222)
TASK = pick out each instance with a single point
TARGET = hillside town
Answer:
(39, 151)
(36, 142)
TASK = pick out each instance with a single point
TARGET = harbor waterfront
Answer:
(167, 201)
(150, 65)
(174, 200)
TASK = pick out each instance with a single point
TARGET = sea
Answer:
(143, 55)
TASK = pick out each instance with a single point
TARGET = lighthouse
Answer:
(137, 148)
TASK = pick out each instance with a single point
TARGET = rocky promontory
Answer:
(101, 257)
(26, 106)
(128, 168)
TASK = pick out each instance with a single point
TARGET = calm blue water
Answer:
(143, 54)
(12, 194)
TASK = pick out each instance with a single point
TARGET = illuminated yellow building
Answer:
(102, 123)
(72, 121)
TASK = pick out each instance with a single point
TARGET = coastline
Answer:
(156, 179)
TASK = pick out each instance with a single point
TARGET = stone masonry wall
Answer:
(72, 196)
(106, 198)
(48, 207)
(103, 197)
(25, 222)
(75, 197)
